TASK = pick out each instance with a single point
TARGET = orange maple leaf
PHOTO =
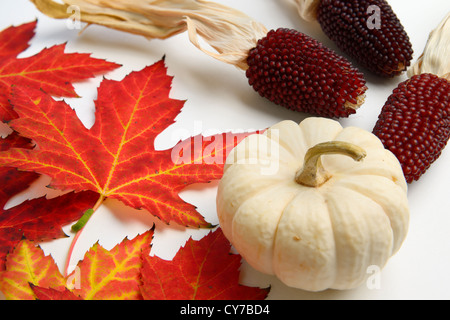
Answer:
(28, 264)
(116, 157)
(101, 275)
(114, 274)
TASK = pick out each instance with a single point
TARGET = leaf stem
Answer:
(78, 228)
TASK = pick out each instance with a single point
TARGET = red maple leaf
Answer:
(116, 157)
(53, 294)
(201, 270)
(14, 40)
(38, 219)
(41, 219)
(51, 70)
(13, 181)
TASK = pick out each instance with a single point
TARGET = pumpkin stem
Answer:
(313, 173)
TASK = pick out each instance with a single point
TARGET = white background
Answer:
(220, 99)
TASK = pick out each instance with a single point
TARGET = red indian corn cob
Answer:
(299, 73)
(415, 121)
(366, 30)
(285, 66)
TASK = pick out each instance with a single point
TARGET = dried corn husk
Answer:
(436, 55)
(307, 9)
(229, 31)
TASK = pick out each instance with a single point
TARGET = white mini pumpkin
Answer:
(314, 229)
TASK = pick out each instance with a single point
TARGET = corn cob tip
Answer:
(435, 57)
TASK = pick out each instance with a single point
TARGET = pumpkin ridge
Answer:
(275, 235)
(368, 246)
(286, 142)
(397, 239)
(242, 211)
(336, 256)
